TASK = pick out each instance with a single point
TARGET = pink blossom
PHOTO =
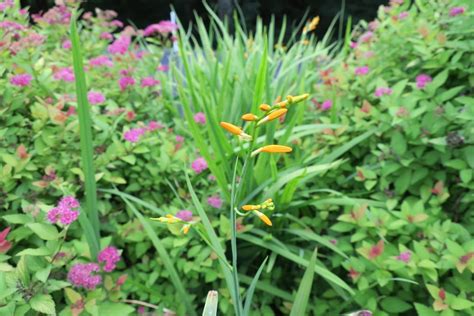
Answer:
(106, 36)
(382, 91)
(361, 71)
(396, 2)
(65, 74)
(163, 68)
(404, 256)
(199, 165)
(109, 256)
(154, 125)
(59, 14)
(95, 97)
(116, 23)
(164, 27)
(125, 82)
(353, 45)
(326, 105)
(149, 82)
(179, 139)
(67, 44)
(366, 37)
(141, 310)
(21, 80)
(134, 134)
(12, 26)
(422, 80)
(120, 45)
(403, 15)
(101, 61)
(66, 212)
(457, 11)
(185, 215)
(369, 54)
(5, 5)
(215, 201)
(83, 275)
(200, 118)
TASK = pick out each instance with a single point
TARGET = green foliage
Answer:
(381, 184)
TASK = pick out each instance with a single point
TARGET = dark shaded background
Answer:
(145, 12)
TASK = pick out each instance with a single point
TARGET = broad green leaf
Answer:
(44, 231)
(43, 303)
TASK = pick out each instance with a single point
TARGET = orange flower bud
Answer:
(235, 130)
(249, 117)
(251, 207)
(264, 218)
(273, 115)
(272, 149)
(264, 107)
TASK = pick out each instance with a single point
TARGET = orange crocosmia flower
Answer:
(249, 117)
(264, 218)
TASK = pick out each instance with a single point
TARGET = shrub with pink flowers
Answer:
(124, 190)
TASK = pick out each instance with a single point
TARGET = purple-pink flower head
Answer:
(353, 45)
(361, 71)
(382, 91)
(326, 105)
(149, 82)
(134, 134)
(403, 15)
(83, 275)
(116, 23)
(457, 11)
(66, 212)
(215, 201)
(125, 82)
(21, 80)
(106, 36)
(185, 215)
(200, 118)
(5, 5)
(66, 44)
(422, 80)
(163, 27)
(109, 257)
(65, 74)
(179, 139)
(163, 68)
(11, 26)
(154, 125)
(101, 61)
(366, 37)
(120, 45)
(95, 97)
(404, 256)
(199, 165)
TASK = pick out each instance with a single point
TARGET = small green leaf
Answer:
(458, 303)
(116, 309)
(44, 304)
(394, 305)
(44, 231)
(398, 143)
(423, 310)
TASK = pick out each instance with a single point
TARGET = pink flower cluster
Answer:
(134, 134)
(326, 105)
(66, 212)
(109, 257)
(84, 275)
(149, 82)
(12, 26)
(200, 118)
(21, 80)
(56, 15)
(164, 27)
(66, 44)
(185, 215)
(366, 37)
(199, 165)
(101, 61)
(215, 201)
(5, 5)
(422, 80)
(361, 71)
(404, 256)
(106, 36)
(120, 45)
(65, 74)
(95, 98)
(125, 82)
(382, 91)
(457, 11)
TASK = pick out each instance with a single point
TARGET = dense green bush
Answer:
(380, 177)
